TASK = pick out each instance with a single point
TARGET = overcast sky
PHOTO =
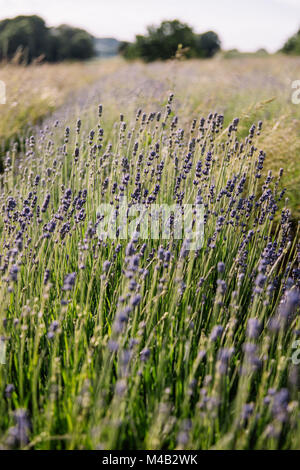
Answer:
(243, 24)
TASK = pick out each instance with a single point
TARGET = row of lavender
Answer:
(108, 343)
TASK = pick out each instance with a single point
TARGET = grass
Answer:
(33, 92)
(251, 88)
(143, 344)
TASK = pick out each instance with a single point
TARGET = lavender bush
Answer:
(145, 344)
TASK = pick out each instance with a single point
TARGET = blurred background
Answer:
(65, 29)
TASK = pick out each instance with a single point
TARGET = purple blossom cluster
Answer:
(193, 344)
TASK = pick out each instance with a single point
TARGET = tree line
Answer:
(30, 36)
(292, 45)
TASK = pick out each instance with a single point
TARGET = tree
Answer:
(128, 50)
(161, 43)
(292, 45)
(27, 32)
(71, 43)
(208, 44)
(31, 34)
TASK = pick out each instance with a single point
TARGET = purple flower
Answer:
(18, 435)
(253, 328)
(221, 286)
(121, 387)
(260, 280)
(53, 327)
(14, 272)
(247, 411)
(221, 267)
(113, 346)
(183, 438)
(251, 358)
(216, 332)
(145, 354)
(130, 250)
(280, 403)
(224, 356)
(46, 276)
(9, 389)
(69, 281)
(106, 266)
(136, 300)
(291, 302)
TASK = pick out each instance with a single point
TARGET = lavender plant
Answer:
(142, 343)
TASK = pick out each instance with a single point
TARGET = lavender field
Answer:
(145, 342)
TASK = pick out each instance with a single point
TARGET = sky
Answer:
(243, 24)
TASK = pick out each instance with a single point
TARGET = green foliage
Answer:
(27, 32)
(292, 45)
(128, 50)
(71, 43)
(31, 35)
(208, 44)
(161, 43)
(143, 344)
(74, 377)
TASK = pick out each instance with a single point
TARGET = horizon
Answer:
(254, 25)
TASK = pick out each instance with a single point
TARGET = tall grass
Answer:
(114, 344)
(33, 92)
(252, 88)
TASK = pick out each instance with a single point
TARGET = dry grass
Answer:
(35, 91)
(251, 88)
